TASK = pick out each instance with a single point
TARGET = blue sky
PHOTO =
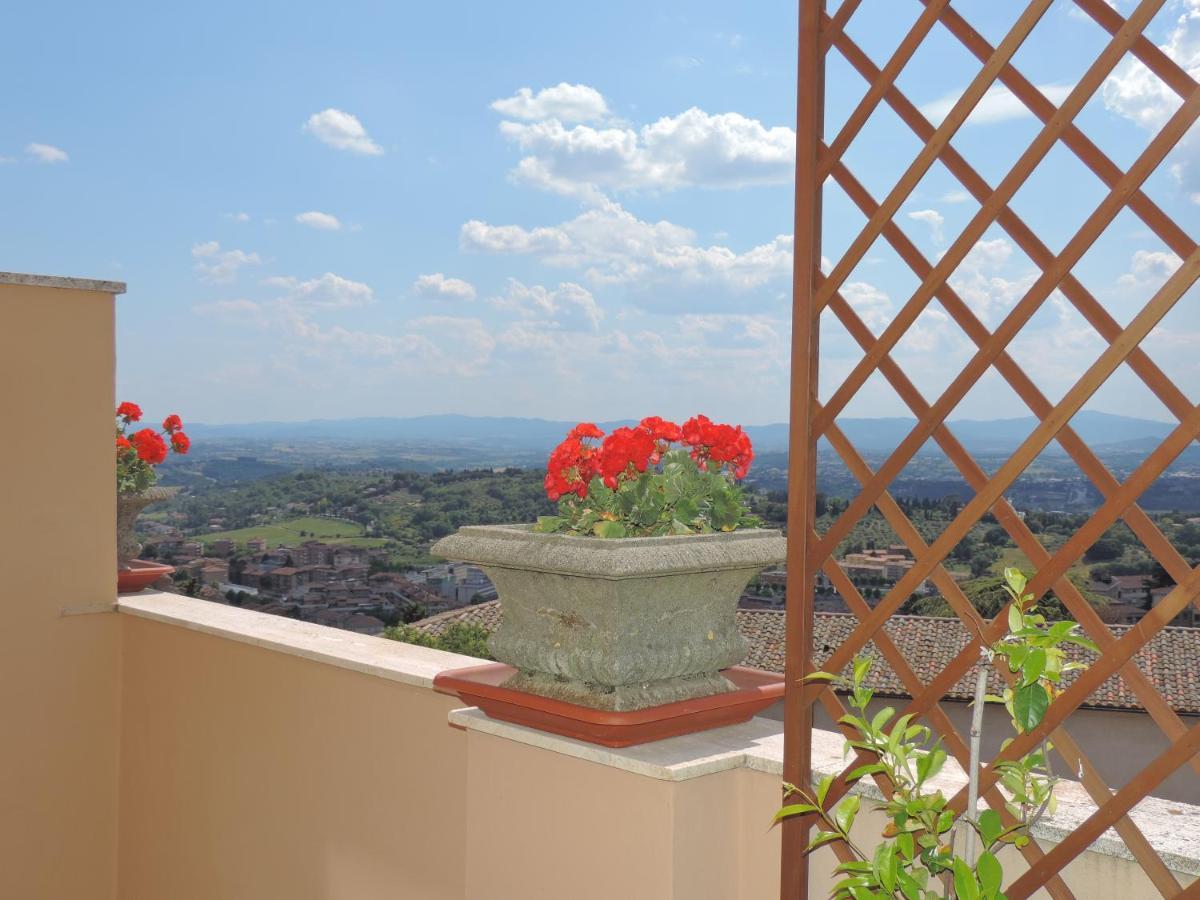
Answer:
(385, 209)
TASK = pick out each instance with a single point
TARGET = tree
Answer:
(459, 637)
(1103, 550)
(988, 596)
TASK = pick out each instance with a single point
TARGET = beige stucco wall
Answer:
(250, 774)
(58, 675)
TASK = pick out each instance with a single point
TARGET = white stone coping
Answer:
(392, 660)
(1173, 829)
(60, 281)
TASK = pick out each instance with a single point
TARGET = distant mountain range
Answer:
(521, 434)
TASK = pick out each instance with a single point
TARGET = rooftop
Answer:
(930, 644)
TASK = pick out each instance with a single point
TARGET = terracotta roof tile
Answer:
(1171, 660)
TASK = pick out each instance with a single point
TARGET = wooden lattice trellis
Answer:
(813, 292)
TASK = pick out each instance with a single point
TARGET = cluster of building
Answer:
(330, 584)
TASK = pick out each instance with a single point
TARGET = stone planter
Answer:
(617, 624)
(129, 507)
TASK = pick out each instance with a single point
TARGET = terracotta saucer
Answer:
(481, 686)
(141, 574)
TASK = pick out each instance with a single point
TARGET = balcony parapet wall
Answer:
(487, 810)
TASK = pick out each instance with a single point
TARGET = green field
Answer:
(1011, 556)
(331, 531)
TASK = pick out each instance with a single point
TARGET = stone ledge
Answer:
(60, 281)
(392, 660)
(1173, 829)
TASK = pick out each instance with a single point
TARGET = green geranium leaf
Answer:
(609, 529)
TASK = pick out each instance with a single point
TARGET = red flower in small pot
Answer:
(150, 446)
(130, 412)
(137, 453)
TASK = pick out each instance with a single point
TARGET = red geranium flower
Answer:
(123, 443)
(586, 430)
(130, 412)
(180, 442)
(151, 448)
(722, 444)
(660, 429)
(572, 466)
(625, 452)
(172, 423)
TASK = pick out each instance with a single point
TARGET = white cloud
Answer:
(565, 102)
(570, 306)
(437, 286)
(455, 345)
(612, 246)
(871, 304)
(692, 149)
(1150, 269)
(933, 219)
(47, 153)
(477, 235)
(684, 62)
(998, 104)
(329, 291)
(958, 196)
(732, 330)
(319, 220)
(238, 216)
(341, 130)
(240, 309)
(1135, 92)
(221, 266)
(986, 282)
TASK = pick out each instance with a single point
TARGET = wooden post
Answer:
(802, 459)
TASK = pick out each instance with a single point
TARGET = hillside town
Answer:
(349, 587)
(313, 581)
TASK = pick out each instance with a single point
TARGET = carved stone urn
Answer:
(129, 507)
(617, 624)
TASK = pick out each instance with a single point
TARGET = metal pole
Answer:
(802, 457)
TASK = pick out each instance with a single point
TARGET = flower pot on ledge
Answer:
(136, 574)
(617, 624)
